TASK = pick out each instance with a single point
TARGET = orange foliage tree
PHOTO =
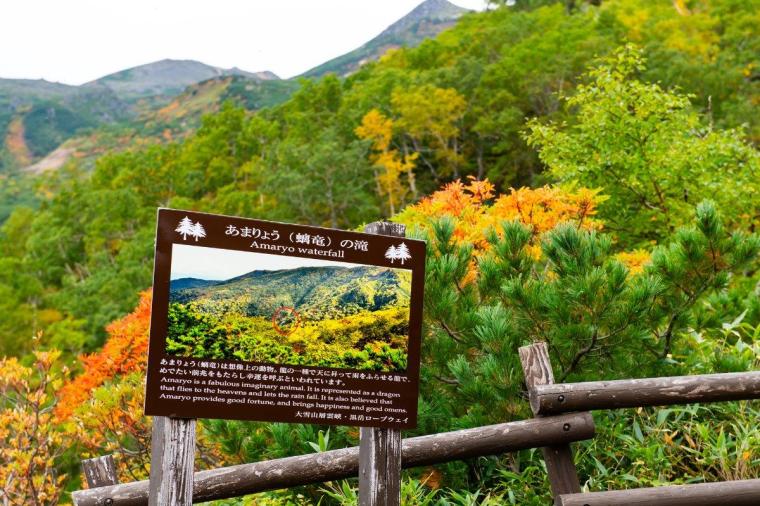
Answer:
(102, 408)
(111, 421)
(476, 210)
(124, 352)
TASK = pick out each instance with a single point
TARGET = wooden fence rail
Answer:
(236, 481)
(632, 393)
(728, 493)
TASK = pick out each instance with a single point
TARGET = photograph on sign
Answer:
(259, 320)
(258, 307)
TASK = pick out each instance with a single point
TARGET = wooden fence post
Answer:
(537, 369)
(100, 471)
(171, 461)
(380, 449)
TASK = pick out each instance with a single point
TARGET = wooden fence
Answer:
(546, 398)
(560, 420)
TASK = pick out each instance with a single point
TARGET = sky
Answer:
(76, 41)
(221, 264)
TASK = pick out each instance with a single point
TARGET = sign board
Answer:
(257, 320)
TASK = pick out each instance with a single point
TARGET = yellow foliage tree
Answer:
(635, 260)
(30, 442)
(429, 118)
(690, 29)
(377, 128)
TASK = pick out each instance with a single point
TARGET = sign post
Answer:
(258, 320)
(172, 457)
(380, 449)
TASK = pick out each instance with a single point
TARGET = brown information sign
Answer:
(257, 320)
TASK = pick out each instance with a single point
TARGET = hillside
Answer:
(284, 162)
(316, 292)
(355, 317)
(184, 112)
(49, 113)
(167, 78)
(37, 117)
(426, 20)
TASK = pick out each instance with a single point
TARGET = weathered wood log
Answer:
(386, 228)
(728, 493)
(172, 458)
(236, 481)
(100, 471)
(380, 449)
(565, 397)
(537, 368)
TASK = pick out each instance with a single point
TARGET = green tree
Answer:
(649, 150)
(323, 183)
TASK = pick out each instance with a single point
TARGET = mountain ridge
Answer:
(168, 77)
(424, 21)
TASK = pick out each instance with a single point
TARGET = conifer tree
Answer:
(600, 320)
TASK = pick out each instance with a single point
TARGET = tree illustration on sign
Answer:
(187, 227)
(199, 231)
(402, 253)
(391, 253)
(398, 253)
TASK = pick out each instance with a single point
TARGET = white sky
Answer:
(75, 41)
(220, 264)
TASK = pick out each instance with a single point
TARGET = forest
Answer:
(584, 173)
(347, 317)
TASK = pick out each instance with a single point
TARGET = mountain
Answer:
(315, 292)
(426, 20)
(43, 125)
(36, 116)
(167, 78)
(19, 90)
